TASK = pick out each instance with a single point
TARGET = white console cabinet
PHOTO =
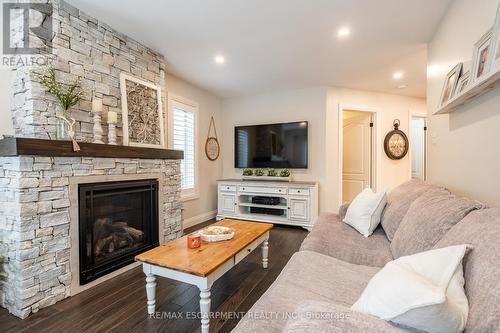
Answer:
(293, 203)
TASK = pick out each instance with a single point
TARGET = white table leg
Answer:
(265, 252)
(205, 309)
(151, 292)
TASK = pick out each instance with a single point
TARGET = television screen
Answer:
(271, 146)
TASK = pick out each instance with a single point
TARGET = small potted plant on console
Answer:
(272, 173)
(285, 175)
(259, 172)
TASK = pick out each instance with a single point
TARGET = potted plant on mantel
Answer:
(68, 95)
(270, 175)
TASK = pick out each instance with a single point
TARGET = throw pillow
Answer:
(365, 210)
(423, 291)
(428, 220)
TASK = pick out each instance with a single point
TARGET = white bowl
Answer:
(218, 237)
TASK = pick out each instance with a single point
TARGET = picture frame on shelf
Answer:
(450, 84)
(481, 59)
(142, 113)
(495, 55)
(463, 82)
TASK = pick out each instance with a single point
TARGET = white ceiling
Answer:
(274, 45)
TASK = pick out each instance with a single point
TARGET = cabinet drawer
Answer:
(248, 249)
(263, 190)
(298, 191)
(227, 188)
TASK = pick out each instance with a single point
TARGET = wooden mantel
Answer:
(12, 146)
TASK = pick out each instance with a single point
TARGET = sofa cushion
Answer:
(332, 237)
(481, 229)
(365, 210)
(398, 202)
(307, 276)
(429, 218)
(336, 319)
(424, 291)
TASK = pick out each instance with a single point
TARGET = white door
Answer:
(418, 148)
(357, 155)
(227, 203)
(299, 209)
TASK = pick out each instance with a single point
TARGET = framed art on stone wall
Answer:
(142, 113)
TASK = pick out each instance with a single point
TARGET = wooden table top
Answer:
(209, 256)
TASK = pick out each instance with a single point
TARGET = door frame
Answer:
(425, 116)
(375, 151)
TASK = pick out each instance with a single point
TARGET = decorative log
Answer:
(135, 233)
(102, 244)
(110, 236)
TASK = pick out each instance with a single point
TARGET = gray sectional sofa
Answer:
(317, 287)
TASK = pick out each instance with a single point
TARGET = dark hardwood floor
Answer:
(119, 304)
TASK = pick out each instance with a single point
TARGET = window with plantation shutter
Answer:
(184, 138)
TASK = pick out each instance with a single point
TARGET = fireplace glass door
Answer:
(117, 221)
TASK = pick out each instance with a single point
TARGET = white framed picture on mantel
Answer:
(142, 113)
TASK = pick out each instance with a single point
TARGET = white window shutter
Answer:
(184, 139)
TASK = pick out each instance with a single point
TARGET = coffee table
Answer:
(204, 265)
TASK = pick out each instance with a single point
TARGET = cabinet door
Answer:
(227, 203)
(299, 209)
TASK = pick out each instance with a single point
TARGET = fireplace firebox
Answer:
(117, 220)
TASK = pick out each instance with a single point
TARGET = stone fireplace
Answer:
(39, 226)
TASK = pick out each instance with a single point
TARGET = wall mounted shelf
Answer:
(487, 83)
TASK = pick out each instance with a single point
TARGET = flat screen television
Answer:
(277, 146)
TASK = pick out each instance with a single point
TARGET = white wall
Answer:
(6, 126)
(299, 105)
(204, 207)
(463, 146)
(320, 106)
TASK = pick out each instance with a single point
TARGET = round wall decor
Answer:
(212, 147)
(396, 142)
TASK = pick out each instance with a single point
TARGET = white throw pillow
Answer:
(423, 291)
(364, 212)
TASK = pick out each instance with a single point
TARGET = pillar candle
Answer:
(96, 104)
(112, 117)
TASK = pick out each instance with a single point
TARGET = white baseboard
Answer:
(192, 221)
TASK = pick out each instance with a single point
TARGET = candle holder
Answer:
(112, 120)
(111, 133)
(97, 127)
